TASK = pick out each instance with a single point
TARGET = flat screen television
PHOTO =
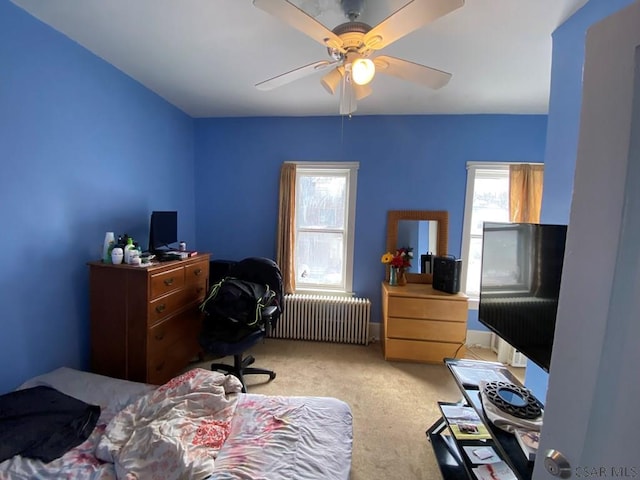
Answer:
(521, 271)
(163, 231)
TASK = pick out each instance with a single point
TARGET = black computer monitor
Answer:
(163, 231)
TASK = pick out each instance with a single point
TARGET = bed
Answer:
(196, 426)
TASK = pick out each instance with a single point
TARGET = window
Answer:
(487, 200)
(324, 227)
(508, 250)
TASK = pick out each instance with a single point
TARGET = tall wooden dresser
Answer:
(145, 320)
(421, 324)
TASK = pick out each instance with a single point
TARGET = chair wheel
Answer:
(272, 375)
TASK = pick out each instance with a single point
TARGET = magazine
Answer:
(464, 422)
(494, 471)
(470, 374)
(478, 455)
(528, 441)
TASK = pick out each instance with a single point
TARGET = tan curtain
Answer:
(525, 192)
(286, 226)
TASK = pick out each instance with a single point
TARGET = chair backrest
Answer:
(261, 270)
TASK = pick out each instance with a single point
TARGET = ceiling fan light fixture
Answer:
(362, 71)
(331, 81)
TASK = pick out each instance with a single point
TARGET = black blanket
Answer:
(43, 423)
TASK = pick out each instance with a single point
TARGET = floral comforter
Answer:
(174, 432)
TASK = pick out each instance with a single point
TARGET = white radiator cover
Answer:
(506, 353)
(324, 318)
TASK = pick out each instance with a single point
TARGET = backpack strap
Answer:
(213, 292)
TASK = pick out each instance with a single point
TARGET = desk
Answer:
(453, 463)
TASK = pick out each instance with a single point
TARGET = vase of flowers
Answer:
(398, 263)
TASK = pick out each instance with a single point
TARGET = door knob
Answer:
(557, 464)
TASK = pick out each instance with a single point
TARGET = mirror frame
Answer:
(440, 216)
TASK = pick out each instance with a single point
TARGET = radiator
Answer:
(324, 318)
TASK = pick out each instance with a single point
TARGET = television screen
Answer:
(163, 230)
(520, 285)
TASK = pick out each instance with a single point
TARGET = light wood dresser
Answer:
(145, 320)
(421, 324)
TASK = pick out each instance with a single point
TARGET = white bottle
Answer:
(109, 241)
(127, 250)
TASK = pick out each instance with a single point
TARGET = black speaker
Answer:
(446, 274)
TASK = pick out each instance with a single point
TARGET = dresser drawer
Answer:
(195, 292)
(165, 282)
(168, 332)
(166, 306)
(427, 308)
(196, 273)
(166, 363)
(421, 351)
(410, 329)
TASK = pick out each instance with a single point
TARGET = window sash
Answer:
(348, 171)
(476, 171)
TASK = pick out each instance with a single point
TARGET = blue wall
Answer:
(406, 162)
(563, 128)
(83, 149)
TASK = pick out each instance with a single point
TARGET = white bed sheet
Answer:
(271, 437)
(284, 438)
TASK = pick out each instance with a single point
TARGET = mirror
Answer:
(422, 235)
(424, 231)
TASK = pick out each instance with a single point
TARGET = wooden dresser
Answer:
(145, 320)
(421, 324)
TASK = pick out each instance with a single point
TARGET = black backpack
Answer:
(238, 304)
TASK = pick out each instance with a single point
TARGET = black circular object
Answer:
(513, 399)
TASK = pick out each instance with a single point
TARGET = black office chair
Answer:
(222, 335)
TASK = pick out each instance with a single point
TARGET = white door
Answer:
(593, 400)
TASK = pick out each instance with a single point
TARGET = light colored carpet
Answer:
(393, 403)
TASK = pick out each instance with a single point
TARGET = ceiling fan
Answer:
(352, 47)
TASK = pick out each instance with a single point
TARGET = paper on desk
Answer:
(494, 471)
(472, 376)
(480, 455)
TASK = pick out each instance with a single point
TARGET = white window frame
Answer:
(472, 170)
(350, 171)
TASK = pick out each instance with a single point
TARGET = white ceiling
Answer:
(205, 56)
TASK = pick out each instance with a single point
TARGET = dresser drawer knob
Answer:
(161, 308)
(160, 366)
(168, 281)
(198, 272)
(199, 290)
(159, 336)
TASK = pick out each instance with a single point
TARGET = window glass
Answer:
(489, 203)
(319, 258)
(325, 210)
(321, 201)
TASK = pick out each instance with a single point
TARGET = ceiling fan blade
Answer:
(293, 75)
(415, 14)
(412, 72)
(348, 103)
(300, 20)
(362, 91)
